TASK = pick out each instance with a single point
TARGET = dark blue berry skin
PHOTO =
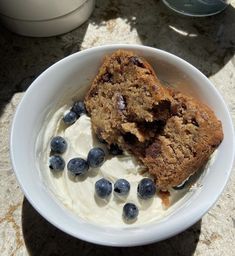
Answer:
(146, 188)
(103, 188)
(70, 118)
(122, 187)
(79, 108)
(58, 145)
(56, 163)
(77, 166)
(130, 212)
(96, 157)
(115, 150)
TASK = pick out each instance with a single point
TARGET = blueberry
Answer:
(95, 157)
(56, 163)
(103, 188)
(77, 166)
(70, 117)
(146, 188)
(115, 150)
(122, 187)
(79, 108)
(58, 145)
(130, 212)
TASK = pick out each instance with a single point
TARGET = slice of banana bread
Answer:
(172, 134)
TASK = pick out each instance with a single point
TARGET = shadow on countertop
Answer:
(25, 58)
(208, 42)
(41, 238)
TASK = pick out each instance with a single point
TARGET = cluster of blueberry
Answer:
(75, 112)
(77, 165)
(146, 189)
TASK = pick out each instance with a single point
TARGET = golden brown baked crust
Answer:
(172, 134)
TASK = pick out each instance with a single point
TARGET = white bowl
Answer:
(76, 72)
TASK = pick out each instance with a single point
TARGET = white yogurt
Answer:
(79, 195)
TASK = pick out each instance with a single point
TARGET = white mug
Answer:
(44, 17)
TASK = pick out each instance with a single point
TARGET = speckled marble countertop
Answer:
(207, 43)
